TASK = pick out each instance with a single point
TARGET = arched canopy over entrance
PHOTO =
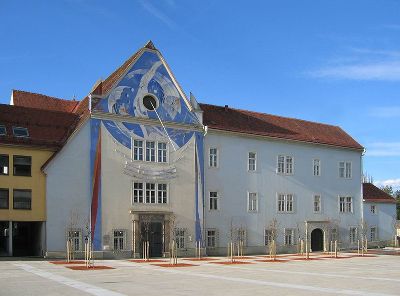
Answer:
(317, 240)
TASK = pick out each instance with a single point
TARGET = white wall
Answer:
(68, 189)
(384, 219)
(232, 181)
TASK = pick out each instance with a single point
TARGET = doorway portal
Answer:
(317, 240)
(152, 232)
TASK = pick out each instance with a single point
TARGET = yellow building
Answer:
(28, 139)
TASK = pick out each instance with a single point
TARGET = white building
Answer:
(145, 164)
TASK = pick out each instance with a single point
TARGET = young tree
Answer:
(388, 189)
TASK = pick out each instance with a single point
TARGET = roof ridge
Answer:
(280, 116)
(43, 95)
(38, 109)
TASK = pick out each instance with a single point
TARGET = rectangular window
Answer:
(213, 201)
(3, 130)
(150, 151)
(213, 162)
(180, 238)
(137, 192)
(162, 152)
(252, 161)
(267, 236)
(137, 150)
(4, 165)
(150, 193)
(353, 235)
(289, 236)
(20, 132)
(162, 193)
(74, 236)
(373, 209)
(316, 167)
(119, 239)
(211, 238)
(285, 165)
(345, 204)
(240, 234)
(345, 169)
(373, 234)
(4, 199)
(22, 165)
(285, 203)
(22, 199)
(252, 202)
(317, 203)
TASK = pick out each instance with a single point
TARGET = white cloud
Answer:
(362, 64)
(383, 149)
(385, 112)
(157, 13)
(395, 183)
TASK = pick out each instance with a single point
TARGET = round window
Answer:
(149, 102)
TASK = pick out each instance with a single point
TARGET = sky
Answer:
(335, 62)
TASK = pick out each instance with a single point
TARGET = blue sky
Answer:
(335, 62)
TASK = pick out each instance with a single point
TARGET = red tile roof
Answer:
(39, 101)
(254, 123)
(371, 193)
(46, 128)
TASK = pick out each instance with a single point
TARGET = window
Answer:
(74, 236)
(252, 161)
(137, 192)
(4, 198)
(137, 150)
(289, 237)
(149, 102)
(346, 204)
(240, 234)
(22, 199)
(211, 238)
(345, 169)
(285, 165)
(150, 151)
(162, 152)
(316, 167)
(3, 164)
(353, 235)
(21, 132)
(22, 165)
(285, 203)
(317, 203)
(252, 202)
(180, 238)
(213, 157)
(334, 234)
(162, 193)
(3, 130)
(149, 194)
(373, 234)
(119, 239)
(213, 204)
(373, 209)
(267, 237)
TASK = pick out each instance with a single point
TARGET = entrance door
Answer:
(152, 232)
(317, 240)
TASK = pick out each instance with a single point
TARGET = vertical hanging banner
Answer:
(199, 183)
(95, 172)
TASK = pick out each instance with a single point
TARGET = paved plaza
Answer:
(374, 274)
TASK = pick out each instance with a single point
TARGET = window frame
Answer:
(285, 203)
(180, 238)
(251, 159)
(375, 234)
(19, 175)
(285, 165)
(75, 238)
(291, 236)
(213, 197)
(8, 165)
(142, 193)
(216, 160)
(353, 240)
(316, 166)
(346, 164)
(214, 237)
(252, 210)
(268, 236)
(8, 198)
(119, 237)
(20, 127)
(320, 203)
(2, 126)
(30, 202)
(345, 204)
(375, 211)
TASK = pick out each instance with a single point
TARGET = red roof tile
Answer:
(39, 101)
(371, 193)
(46, 128)
(248, 122)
